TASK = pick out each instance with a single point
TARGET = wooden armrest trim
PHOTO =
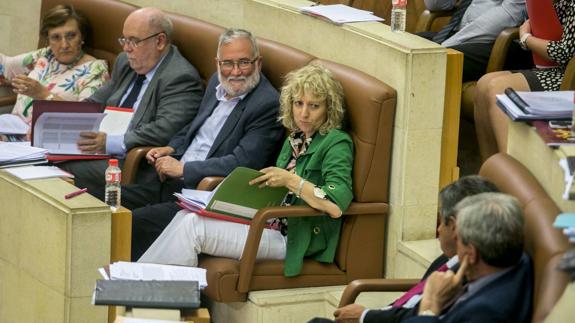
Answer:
(131, 163)
(259, 221)
(500, 49)
(209, 183)
(568, 82)
(353, 289)
(7, 100)
(427, 18)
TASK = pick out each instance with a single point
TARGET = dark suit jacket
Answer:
(170, 102)
(506, 299)
(250, 136)
(399, 314)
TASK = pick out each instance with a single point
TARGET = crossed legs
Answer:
(490, 120)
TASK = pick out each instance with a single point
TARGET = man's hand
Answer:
(169, 166)
(92, 142)
(441, 287)
(348, 313)
(158, 152)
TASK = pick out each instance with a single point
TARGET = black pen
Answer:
(517, 100)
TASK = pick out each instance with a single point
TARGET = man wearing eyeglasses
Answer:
(152, 78)
(236, 126)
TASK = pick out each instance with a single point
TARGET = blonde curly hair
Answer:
(319, 82)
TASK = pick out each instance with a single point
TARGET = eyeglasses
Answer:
(134, 42)
(243, 64)
(69, 37)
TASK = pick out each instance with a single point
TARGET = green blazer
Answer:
(327, 163)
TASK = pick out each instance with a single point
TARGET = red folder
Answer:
(545, 25)
(219, 216)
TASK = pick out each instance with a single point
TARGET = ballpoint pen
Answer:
(75, 193)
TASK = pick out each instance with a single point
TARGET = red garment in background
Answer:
(545, 25)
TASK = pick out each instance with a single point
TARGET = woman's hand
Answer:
(524, 28)
(24, 85)
(275, 177)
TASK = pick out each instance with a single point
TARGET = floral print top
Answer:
(70, 82)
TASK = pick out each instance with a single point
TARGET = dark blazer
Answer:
(250, 136)
(506, 299)
(170, 102)
(399, 314)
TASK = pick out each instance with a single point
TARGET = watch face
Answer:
(319, 193)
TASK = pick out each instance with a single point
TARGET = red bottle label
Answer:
(399, 3)
(113, 177)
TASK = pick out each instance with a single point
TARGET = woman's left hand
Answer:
(24, 85)
(273, 177)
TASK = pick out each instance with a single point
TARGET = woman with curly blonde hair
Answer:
(315, 164)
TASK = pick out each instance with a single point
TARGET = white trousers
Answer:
(190, 234)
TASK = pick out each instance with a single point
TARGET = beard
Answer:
(250, 82)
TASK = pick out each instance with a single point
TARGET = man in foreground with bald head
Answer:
(152, 78)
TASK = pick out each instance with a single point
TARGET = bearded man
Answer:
(236, 125)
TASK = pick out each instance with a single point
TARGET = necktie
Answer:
(133, 95)
(415, 290)
(452, 25)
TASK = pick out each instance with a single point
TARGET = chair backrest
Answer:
(544, 243)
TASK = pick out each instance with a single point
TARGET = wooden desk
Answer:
(50, 250)
(525, 145)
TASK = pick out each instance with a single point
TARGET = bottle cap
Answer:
(113, 162)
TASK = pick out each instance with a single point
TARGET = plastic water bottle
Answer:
(398, 15)
(113, 187)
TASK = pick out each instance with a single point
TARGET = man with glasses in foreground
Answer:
(152, 78)
(236, 126)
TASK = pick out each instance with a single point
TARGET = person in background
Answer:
(61, 71)
(236, 126)
(315, 164)
(408, 304)
(473, 28)
(154, 79)
(498, 285)
(490, 121)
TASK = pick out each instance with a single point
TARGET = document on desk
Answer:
(59, 132)
(20, 153)
(537, 105)
(143, 271)
(11, 124)
(37, 172)
(340, 14)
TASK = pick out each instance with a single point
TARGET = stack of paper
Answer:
(141, 271)
(20, 153)
(339, 13)
(538, 105)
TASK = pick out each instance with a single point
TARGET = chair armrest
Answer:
(209, 183)
(568, 83)
(353, 289)
(427, 18)
(131, 163)
(7, 96)
(259, 221)
(500, 49)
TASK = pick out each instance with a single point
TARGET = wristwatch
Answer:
(49, 97)
(523, 41)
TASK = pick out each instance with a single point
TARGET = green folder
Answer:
(235, 197)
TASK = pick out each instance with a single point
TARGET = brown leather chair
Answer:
(360, 254)
(544, 243)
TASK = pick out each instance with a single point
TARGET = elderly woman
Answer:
(61, 71)
(490, 121)
(315, 164)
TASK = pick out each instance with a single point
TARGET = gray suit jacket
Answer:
(170, 102)
(250, 136)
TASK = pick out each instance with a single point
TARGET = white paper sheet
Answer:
(36, 172)
(59, 132)
(339, 13)
(13, 125)
(18, 151)
(116, 120)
